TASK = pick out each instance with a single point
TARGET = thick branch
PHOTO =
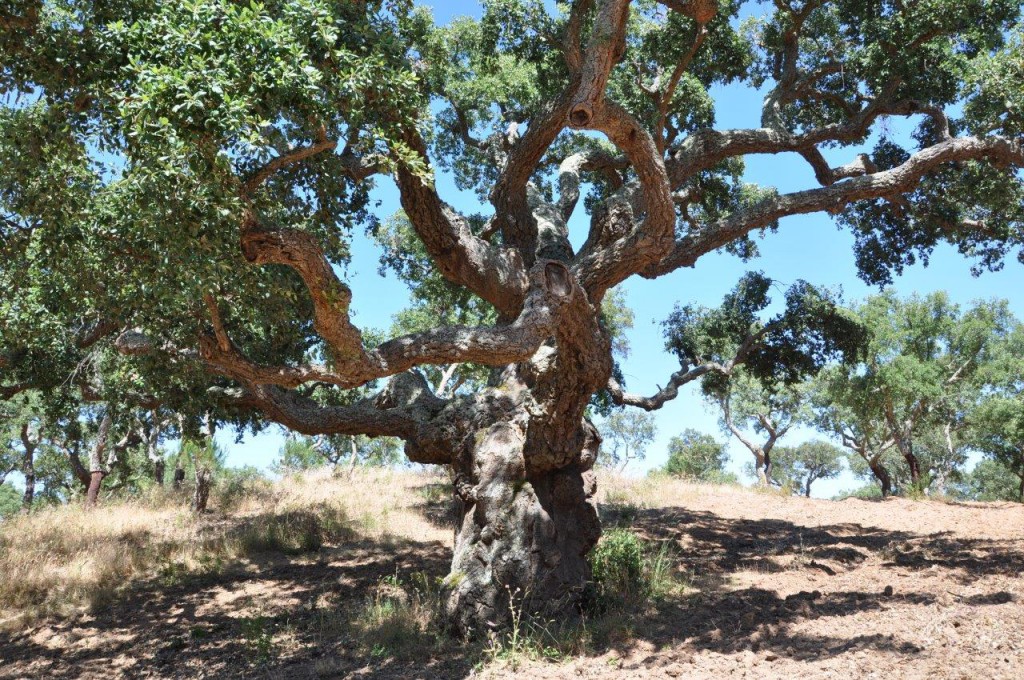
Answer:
(495, 274)
(664, 394)
(487, 346)
(834, 198)
(404, 409)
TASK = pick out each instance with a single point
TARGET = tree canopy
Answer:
(180, 185)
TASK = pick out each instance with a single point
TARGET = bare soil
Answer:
(777, 587)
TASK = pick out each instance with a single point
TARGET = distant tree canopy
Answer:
(697, 456)
(181, 183)
(927, 369)
(806, 463)
(627, 434)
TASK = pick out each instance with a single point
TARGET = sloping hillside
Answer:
(330, 577)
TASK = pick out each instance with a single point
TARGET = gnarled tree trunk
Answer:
(204, 479)
(523, 537)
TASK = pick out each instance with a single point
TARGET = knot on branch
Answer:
(580, 115)
(557, 279)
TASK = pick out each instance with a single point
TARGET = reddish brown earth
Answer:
(777, 587)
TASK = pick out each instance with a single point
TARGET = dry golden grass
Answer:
(64, 560)
(657, 491)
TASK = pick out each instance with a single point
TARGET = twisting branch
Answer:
(571, 47)
(266, 171)
(688, 374)
(404, 409)
(497, 275)
(488, 346)
(664, 394)
(665, 98)
(571, 168)
(606, 46)
(331, 297)
(836, 197)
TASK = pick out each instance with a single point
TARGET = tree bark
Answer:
(96, 472)
(915, 470)
(93, 493)
(28, 468)
(523, 538)
(204, 478)
(883, 477)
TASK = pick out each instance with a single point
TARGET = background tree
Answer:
(770, 411)
(999, 433)
(924, 369)
(146, 146)
(305, 453)
(627, 434)
(991, 480)
(808, 462)
(698, 456)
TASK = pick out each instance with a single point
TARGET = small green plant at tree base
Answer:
(628, 572)
(617, 564)
(258, 633)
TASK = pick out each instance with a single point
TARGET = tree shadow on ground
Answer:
(291, 616)
(242, 619)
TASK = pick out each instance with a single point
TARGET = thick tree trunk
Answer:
(523, 538)
(807, 488)
(159, 471)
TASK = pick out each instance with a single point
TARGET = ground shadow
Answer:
(166, 628)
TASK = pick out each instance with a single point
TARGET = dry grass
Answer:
(657, 491)
(61, 561)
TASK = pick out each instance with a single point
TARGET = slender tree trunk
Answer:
(204, 478)
(522, 539)
(807, 488)
(96, 472)
(28, 468)
(1020, 490)
(353, 456)
(883, 477)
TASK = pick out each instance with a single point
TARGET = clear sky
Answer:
(805, 247)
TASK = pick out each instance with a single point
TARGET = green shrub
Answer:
(618, 564)
(233, 485)
(629, 572)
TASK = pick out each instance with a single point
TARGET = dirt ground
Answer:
(777, 587)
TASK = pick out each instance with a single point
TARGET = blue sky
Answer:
(805, 247)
